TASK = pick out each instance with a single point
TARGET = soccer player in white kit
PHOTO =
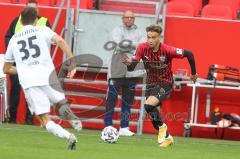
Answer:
(30, 50)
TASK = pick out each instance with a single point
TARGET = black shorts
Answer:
(160, 91)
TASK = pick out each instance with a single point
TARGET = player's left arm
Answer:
(63, 45)
(189, 55)
(181, 53)
(8, 68)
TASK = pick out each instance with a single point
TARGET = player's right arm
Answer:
(10, 31)
(8, 67)
(132, 62)
(65, 48)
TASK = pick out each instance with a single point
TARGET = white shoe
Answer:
(72, 141)
(76, 124)
(125, 132)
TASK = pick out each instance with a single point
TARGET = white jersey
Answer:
(30, 50)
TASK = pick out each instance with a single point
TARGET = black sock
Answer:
(154, 115)
(167, 134)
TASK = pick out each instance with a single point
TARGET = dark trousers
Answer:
(127, 85)
(14, 100)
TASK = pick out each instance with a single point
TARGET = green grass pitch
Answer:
(33, 142)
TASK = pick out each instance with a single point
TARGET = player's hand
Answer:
(71, 73)
(194, 77)
(127, 60)
(72, 68)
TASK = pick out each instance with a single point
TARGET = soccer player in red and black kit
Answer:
(157, 58)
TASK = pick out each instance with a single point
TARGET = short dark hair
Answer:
(154, 28)
(28, 15)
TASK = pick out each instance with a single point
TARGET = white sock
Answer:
(57, 130)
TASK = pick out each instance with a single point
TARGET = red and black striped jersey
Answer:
(158, 64)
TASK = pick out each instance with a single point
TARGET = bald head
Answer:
(128, 18)
(128, 13)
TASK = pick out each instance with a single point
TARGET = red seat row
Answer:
(85, 4)
(217, 11)
(224, 9)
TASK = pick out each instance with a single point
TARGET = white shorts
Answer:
(40, 98)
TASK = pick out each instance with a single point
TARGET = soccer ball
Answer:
(110, 134)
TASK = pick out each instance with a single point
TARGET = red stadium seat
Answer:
(40, 2)
(19, 1)
(84, 4)
(217, 11)
(44, 2)
(197, 5)
(180, 9)
(5, 1)
(233, 4)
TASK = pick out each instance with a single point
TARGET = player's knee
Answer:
(62, 106)
(63, 102)
(57, 107)
(65, 111)
(149, 108)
